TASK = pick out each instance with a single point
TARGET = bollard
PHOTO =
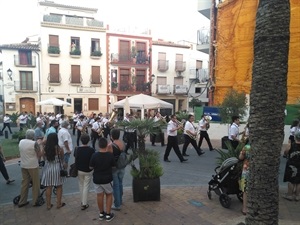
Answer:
(6, 134)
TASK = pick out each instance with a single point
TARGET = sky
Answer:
(170, 20)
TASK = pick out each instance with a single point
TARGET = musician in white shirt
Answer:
(6, 123)
(190, 136)
(75, 118)
(106, 128)
(79, 126)
(130, 133)
(23, 120)
(203, 126)
(233, 135)
(172, 140)
(96, 128)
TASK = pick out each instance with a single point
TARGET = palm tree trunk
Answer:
(267, 104)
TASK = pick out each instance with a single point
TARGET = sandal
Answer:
(62, 205)
(49, 207)
(84, 207)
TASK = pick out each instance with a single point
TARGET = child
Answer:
(102, 163)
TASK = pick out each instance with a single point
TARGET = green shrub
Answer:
(53, 50)
(231, 152)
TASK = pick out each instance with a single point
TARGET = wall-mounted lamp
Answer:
(152, 78)
(9, 73)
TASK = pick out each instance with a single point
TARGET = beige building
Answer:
(73, 68)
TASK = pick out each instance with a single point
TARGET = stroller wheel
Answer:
(240, 196)
(16, 200)
(225, 200)
(40, 200)
(54, 190)
(209, 194)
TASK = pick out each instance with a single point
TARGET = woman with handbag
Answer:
(83, 155)
(52, 175)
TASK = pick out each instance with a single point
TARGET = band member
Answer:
(203, 126)
(23, 120)
(190, 136)
(105, 125)
(130, 133)
(156, 118)
(233, 135)
(96, 131)
(6, 123)
(75, 120)
(172, 140)
(80, 128)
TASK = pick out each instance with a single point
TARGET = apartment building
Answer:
(73, 67)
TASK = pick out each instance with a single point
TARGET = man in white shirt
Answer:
(190, 136)
(6, 123)
(234, 132)
(172, 140)
(129, 133)
(156, 118)
(105, 125)
(23, 120)
(203, 125)
(96, 129)
(65, 142)
(75, 120)
(80, 126)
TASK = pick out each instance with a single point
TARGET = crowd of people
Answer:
(98, 146)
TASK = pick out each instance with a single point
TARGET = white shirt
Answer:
(23, 119)
(64, 135)
(171, 126)
(104, 121)
(96, 126)
(75, 117)
(233, 131)
(52, 117)
(189, 126)
(292, 131)
(6, 119)
(202, 124)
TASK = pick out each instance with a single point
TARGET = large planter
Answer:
(146, 189)
(223, 140)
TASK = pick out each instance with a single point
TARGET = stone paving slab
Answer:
(178, 206)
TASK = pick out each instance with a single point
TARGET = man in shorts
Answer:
(102, 163)
(65, 142)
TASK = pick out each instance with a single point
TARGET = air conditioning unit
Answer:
(163, 89)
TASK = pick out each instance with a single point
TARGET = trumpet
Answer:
(179, 124)
(111, 121)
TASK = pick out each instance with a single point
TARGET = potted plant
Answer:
(14, 118)
(146, 176)
(96, 53)
(53, 50)
(114, 85)
(76, 51)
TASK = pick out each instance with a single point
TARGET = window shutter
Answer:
(53, 40)
(93, 104)
(75, 74)
(95, 74)
(54, 73)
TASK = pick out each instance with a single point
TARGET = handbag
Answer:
(62, 172)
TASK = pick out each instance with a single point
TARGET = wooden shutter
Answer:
(161, 56)
(124, 53)
(141, 46)
(54, 73)
(53, 40)
(198, 64)
(75, 74)
(95, 74)
(93, 104)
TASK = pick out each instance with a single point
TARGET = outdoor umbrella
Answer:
(54, 102)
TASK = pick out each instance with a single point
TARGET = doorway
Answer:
(28, 105)
(78, 105)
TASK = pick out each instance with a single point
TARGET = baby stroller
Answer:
(226, 181)
(40, 199)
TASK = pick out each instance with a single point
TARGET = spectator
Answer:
(102, 163)
(83, 155)
(65, 142)
(51, 171)
(29, 155)
(3, 168)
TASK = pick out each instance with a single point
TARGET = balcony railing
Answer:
(117, 88)
(74, 21)
(54, 79)
(26, 86)
(180, 89)
(96, 82)
(94, 23)
(75, 81)
(75, 51)
(180, 66)
(77, 21)
(52, 18)
(118, 58)
(202, 75)
(53, 50)
(163, 65)
(163, 89)
(28, 62)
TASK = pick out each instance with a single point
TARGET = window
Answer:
(140, 80)
(199, 64)
(197, 90)
(25, 57)
(141, 57)
(53, 40)
(163, 64)
(96, 77)
(93, 104)
(95, 45)
(124, 53)
(54, 73)
(75, 46)
(124, 80)
(26, 82)
(75, 74)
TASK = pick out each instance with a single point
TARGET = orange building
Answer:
(234, 48)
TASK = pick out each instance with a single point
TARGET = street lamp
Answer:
(9, 73)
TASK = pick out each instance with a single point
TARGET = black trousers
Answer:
(187, 141)
(78, 137)
(74, 127)
(173, 143)
(204, 134)
(106, 132)
(95, 137)
(3, 170)
(6, 125)
(234, 143)
(131, 137)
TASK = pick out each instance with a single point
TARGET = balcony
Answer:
(75, 80)
(204, 8)
(53, 51)
(203, 40)
(122, 59)
(180, 66)
(117, 88)
(162, 65)
(163, 89)
(96, 54)
(202, 75)
(54, 79)
(26, 87)
(75, 52)
(52, 18)
(27, 62)
(74, 20)
(94, 23)
(96, 81)
(180, 89)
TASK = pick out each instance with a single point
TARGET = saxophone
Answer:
(193, 136)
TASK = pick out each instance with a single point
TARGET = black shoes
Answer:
(10, 181)
(212, 149)
(153, 145)
(201, 153)
(184, 160)
(185, 155)
(167, 160)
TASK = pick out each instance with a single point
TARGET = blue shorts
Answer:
(67, 157)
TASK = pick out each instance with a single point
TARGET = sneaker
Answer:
(287, 197)
(102, 215)
(115, 208)
(110, 217)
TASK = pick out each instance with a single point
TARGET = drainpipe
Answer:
(39, 71)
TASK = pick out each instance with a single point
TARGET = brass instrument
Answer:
(100, 131)
(111, 121)
(208, 119)
(179, 124)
